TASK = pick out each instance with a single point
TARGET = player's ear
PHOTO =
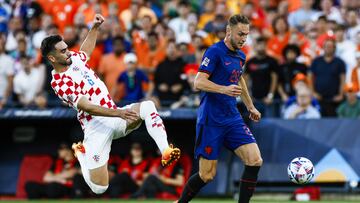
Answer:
(51, 58)
(228, 31)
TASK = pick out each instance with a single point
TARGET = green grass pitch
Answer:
(159, 201)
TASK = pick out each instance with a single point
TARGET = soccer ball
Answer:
(301, 170)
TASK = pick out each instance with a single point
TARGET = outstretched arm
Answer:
(90, 41)
(255, 115)
(95, 110)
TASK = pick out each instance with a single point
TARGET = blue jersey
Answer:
(224, 68)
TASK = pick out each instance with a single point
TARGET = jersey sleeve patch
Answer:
(209, 61)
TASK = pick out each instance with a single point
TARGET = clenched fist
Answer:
(98, 20)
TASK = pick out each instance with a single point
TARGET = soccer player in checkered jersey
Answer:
(79, 87)
(219, 121)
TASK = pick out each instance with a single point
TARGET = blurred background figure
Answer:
(302, 109)
(112, 64)
(28, 84)
(191, 97)
(6, 73)
(131, 173)
(262, 78)
(303, 15)
(161, 179)
(327, 74)
(132, 84)
(350, 108)
(289, 70)
(58, 181)
(169, 86)
(355, 73)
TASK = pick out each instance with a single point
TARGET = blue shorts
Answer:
(209, 139)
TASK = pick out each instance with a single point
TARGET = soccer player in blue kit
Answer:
(219, 121)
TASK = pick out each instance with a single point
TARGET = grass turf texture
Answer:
(156, 201)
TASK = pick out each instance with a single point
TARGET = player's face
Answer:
(238, 35)
(62, 54)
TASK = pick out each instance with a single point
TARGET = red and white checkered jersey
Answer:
(77, 81)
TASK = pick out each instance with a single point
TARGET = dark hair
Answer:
(235, 19)
(276, 20)
(48, 44)
(22, 41)
(291, 47)
(261, 39)
(322, 17)
(118, 38)
(340, 27)
(152, 33)
(184, 3)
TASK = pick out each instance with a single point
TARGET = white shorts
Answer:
(98, 136)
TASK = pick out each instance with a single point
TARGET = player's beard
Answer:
(66, 62)
(235, 45)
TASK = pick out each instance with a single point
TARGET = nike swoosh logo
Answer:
(227, 63)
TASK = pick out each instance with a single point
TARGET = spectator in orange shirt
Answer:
(257, 16)
(63, 12)
(276, 43)
(112, 64)
(89, 8)
(355, 73)
(150, 51)
(208, 14)
(136, 11)
(324, 30)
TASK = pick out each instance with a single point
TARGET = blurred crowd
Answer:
(303, 56)
(136, 175)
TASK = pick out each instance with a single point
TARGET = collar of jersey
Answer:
(237, 53)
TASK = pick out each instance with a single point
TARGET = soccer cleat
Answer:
(170, 155)
(78, 147)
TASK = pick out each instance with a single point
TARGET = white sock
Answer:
(97, 189)
(154, 124)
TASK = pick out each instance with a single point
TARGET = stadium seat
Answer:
(33, 168)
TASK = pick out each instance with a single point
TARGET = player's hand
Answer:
(232, 90)
(128, 115)
(255, 115)
(98, 20)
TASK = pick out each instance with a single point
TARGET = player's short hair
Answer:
(235, 19)
(48, 44)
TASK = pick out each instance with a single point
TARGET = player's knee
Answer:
(146, 107)
(258, 161)
(207, 176)
(98, 189)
